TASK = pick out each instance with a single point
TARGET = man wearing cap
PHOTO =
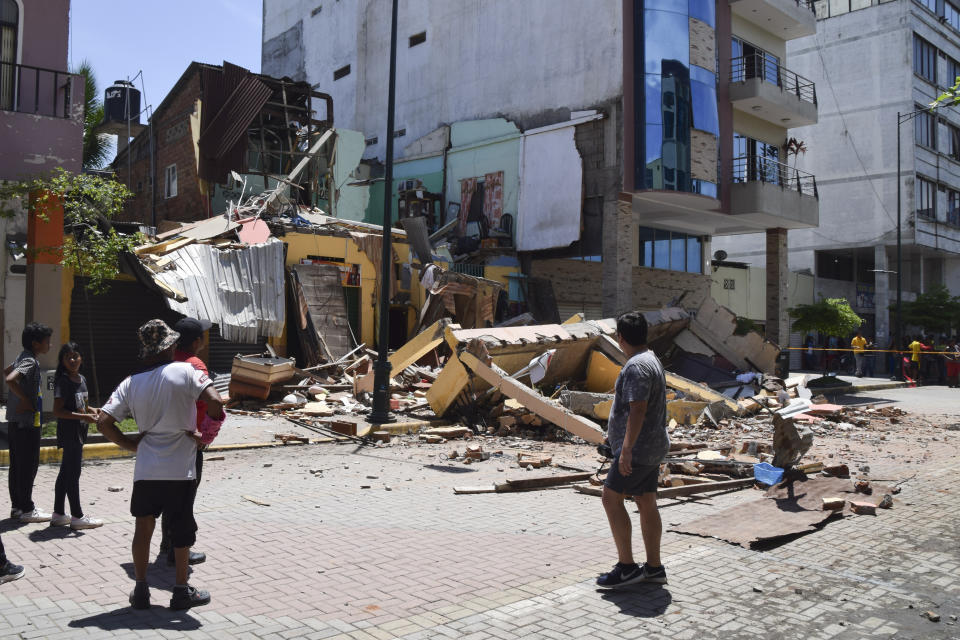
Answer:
(191, 340)
(162, 398)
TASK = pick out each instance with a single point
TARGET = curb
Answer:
(107, 451)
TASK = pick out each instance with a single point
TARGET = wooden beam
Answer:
(443, 392)
(421, 344)
(522, 484)
(529, 398)
(686, 490)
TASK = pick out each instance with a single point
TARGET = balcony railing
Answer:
(760, 65)
(26, 89)
(808, 4)
(761, 169)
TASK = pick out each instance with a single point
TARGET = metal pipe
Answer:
(899, 261)
(381, 370)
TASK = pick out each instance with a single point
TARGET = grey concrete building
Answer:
(668, 116)
(871, 60)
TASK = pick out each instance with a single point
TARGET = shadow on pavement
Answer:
(641, 600)
(159, 574)
(157, 617)
(54, 533)
(11, 524)
(448, 469)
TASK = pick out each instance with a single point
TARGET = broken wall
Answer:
(578, 286)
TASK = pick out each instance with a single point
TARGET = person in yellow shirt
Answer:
(859, 344)
(915, 348)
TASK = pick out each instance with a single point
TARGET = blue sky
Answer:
(122, 37)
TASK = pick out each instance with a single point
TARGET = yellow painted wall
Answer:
(300, 245)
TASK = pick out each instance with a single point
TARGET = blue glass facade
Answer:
(674, 96)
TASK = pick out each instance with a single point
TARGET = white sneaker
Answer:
(35, 516)
(59, 520)
(86, 522)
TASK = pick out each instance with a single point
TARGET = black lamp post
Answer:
(381, 369)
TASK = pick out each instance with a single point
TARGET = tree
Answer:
(829, 316)
(935, 311)
(92, 248)
(96, 147)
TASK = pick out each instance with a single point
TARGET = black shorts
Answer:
(174, 498)
(643, 479)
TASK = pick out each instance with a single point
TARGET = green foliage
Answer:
(744, 326)
(829, 316)
(50, 428)
(935, 311)
(93, 248)
(949, 98)
(96, 147)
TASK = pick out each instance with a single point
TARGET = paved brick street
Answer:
(407, 558)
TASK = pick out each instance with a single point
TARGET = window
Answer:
(926, 197)
(755, 160)
(951, 15)
(418, 38)
(930, 5)
(170, 181)
(9, 26)
(953, 72)
(953, 207)
(952, 142)
(925, 129)
(750, 61)
(924, 59)
(342, 72)
(836, 266)
(661, 249)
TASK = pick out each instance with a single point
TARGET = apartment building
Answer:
(619, 138)
(877, 67)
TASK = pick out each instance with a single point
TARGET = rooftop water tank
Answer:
(121, 102)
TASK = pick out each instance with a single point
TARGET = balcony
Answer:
(786, 19)
(37, 91)
(769, 194)
(763, 88)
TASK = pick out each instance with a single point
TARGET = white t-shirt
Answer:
(163, 402)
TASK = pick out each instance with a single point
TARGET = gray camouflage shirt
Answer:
(642, 378)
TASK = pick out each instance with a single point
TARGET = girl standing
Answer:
(73, 415)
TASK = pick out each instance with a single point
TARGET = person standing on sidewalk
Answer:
(25, 422)
(637, 434)
(73, 415)
(162, 400)
(859, 345)
(191, 339)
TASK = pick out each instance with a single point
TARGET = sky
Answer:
(121, 38)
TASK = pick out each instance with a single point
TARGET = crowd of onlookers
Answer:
(925, 359)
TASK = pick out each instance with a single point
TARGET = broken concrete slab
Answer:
(584, 403)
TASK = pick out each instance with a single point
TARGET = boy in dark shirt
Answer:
(24, 419)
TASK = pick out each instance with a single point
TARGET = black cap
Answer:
(190, 329)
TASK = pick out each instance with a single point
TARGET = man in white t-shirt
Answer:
(162, 399)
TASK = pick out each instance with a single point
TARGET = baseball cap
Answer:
(191, 328)
(156, 336)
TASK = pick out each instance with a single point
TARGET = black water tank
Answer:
(121, 102)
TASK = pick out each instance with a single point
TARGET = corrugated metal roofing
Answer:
(240, 290)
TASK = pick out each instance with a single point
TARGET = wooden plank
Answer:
(519, 484)
(697, 391)
(472, 490)
(686, 490)
(586, 429)
(443, 392)
(424, 342)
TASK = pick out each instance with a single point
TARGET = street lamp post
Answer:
(381, 369)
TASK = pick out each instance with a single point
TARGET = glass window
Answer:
(953, 142)
(926, 199)
(925, 129)
(924, 59)
(694, 256)
(928, 4)
(9, 20)
(951, 15)
(953, 207)
(652, 104)
(673, 250)
(704, 10)
(705, 116)
(672, 41)
(661, 249)
(953, 72)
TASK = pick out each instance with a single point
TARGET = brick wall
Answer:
(173, 145)
(580, 283)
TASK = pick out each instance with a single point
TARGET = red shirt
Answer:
(197, 363)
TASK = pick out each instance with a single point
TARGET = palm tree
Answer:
(96, 147)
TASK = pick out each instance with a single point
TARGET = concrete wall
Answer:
(743, 290)
(463, 71)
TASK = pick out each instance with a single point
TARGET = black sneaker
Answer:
(621, 575)
(10, 572)
(140, 596)
(654, 574)
(196, 557)
(186, 597)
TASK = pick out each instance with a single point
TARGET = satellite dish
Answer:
(719, 255)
